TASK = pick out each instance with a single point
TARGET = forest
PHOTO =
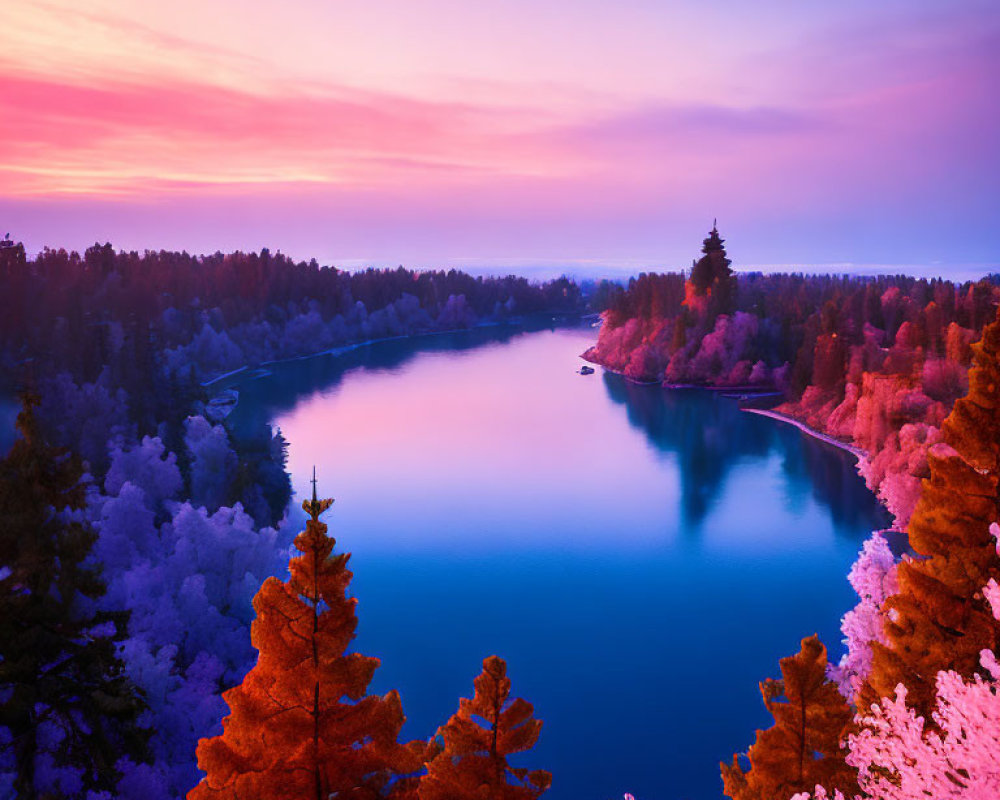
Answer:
(136, 526)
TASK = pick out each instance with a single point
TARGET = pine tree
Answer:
(802, 748)
(473, 762)
(712, 274)
(939, 619)
(301, 725)
(67, 705)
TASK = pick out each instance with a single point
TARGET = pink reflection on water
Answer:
(464, 439)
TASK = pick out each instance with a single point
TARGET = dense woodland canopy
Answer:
(64, 691)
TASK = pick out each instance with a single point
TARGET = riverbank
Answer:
(735, 393)
(339, 351)
(897, 537)
(525, 323)
(857, 452)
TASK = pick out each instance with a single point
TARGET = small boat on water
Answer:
(585, 370)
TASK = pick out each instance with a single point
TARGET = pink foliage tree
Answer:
(900, 757)
(723, 348)
(873, 577)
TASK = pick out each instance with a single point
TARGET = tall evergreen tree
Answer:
(301, 726)
(939, 620)
(67, 706)
(712, 274)
(803, 747)
(473, 762)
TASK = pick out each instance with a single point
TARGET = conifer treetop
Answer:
(477, 740)
(316, 507)
(302, 724)
(803, 747)
(714, 243)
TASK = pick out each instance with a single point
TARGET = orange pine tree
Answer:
(939, 619)
(301, 726)
(802, 748)
(473, 762)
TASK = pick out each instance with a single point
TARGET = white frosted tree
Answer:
(873, 577)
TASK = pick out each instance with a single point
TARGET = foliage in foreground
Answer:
(473, 760)
(69, 715)
(952, 755)
(302, 726)
(803, 747)
(922, 663)
(939, 620)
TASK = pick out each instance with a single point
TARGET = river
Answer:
(640, 557)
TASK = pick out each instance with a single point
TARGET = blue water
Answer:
(641, 558)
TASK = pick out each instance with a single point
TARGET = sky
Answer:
(524, 133)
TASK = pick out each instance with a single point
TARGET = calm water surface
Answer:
(640, 557)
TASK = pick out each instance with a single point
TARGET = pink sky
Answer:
(441, 133)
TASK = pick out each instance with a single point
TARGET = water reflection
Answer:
(709, 436)
(703, 434)
(280, 386)
(833, 481)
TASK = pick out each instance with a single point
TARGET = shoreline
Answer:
(757, 391)
(339, 350)
(898, 537)
(750, 390)
(857, 452)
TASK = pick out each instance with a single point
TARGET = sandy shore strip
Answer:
(857, 452)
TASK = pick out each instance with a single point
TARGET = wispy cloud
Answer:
(72, 45)
(892, 119)
(112, 133)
